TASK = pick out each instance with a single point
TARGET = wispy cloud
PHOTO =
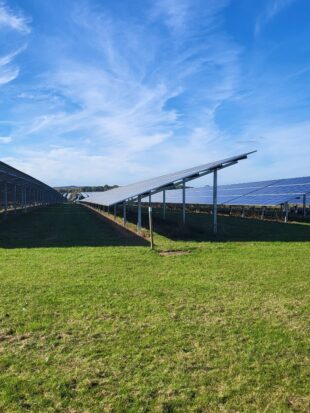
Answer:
(174, 12)
(5, 139)
(9, 71)
(274, 7)
(125, 99)
(13, 21)
(112, 97)
(8, 74)
(181, 15)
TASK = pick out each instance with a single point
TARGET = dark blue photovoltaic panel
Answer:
(273, 192)
(249, 185)
(176, 198)
(292, 181)
(284, 189)
(265, 200)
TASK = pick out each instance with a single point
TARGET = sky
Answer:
(97, 92)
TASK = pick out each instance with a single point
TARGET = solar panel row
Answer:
(263, 193)
(122, 194)
(17, 187)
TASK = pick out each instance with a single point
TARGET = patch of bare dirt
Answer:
(170, 253)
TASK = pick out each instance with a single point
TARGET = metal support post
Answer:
(214, 212)
(183, 201)
(304, 205)
(243, 212)
(286, 212)
(263, 213)
(139, 214)
(124, 213)
(150, 200)
(151, 227)
(15, 197)
(114, 212)
(164, 204)
(5, 189)
(25, 199)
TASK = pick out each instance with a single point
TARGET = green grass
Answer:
(91, 320)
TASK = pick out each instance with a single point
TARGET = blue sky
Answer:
(95, 92)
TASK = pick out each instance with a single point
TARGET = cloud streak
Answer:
(273, 8)
(5, 139)
(113, 96)
(9, 71)
(138, 92)
(13, 21)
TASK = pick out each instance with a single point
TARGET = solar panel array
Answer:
(17, 187)
(121, 194)
(273, 192)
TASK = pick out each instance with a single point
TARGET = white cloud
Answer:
(274, 7)
(5, 139)
(9, 71)
(283, 152)
(13, 21)
(8, 74)
(127, 103)
(174, 12)
(181, 15)
(122, 97)
(70, 165)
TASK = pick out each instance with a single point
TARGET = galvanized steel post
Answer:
(263, 213)
(124, 213)
(183, 201)
(5, 190)
(151, 227)
(243, 212)
(139, 214)
(15, 197)
(164, 204)
(214, 211)
(286, 212)
(25, 198)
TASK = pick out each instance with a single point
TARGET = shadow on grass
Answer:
(199, 228)
(66, 225)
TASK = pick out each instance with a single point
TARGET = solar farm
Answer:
(156, 296)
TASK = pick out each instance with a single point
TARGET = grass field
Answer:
(92, 321)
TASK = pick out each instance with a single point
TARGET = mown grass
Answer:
(93, 321)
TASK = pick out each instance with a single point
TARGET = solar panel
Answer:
(264, 193)
(11, 175)
(251, 185)
(121, 194)
(294, 181)
(284, 189)
(265, 200)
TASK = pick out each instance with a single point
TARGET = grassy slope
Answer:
(94, 322)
